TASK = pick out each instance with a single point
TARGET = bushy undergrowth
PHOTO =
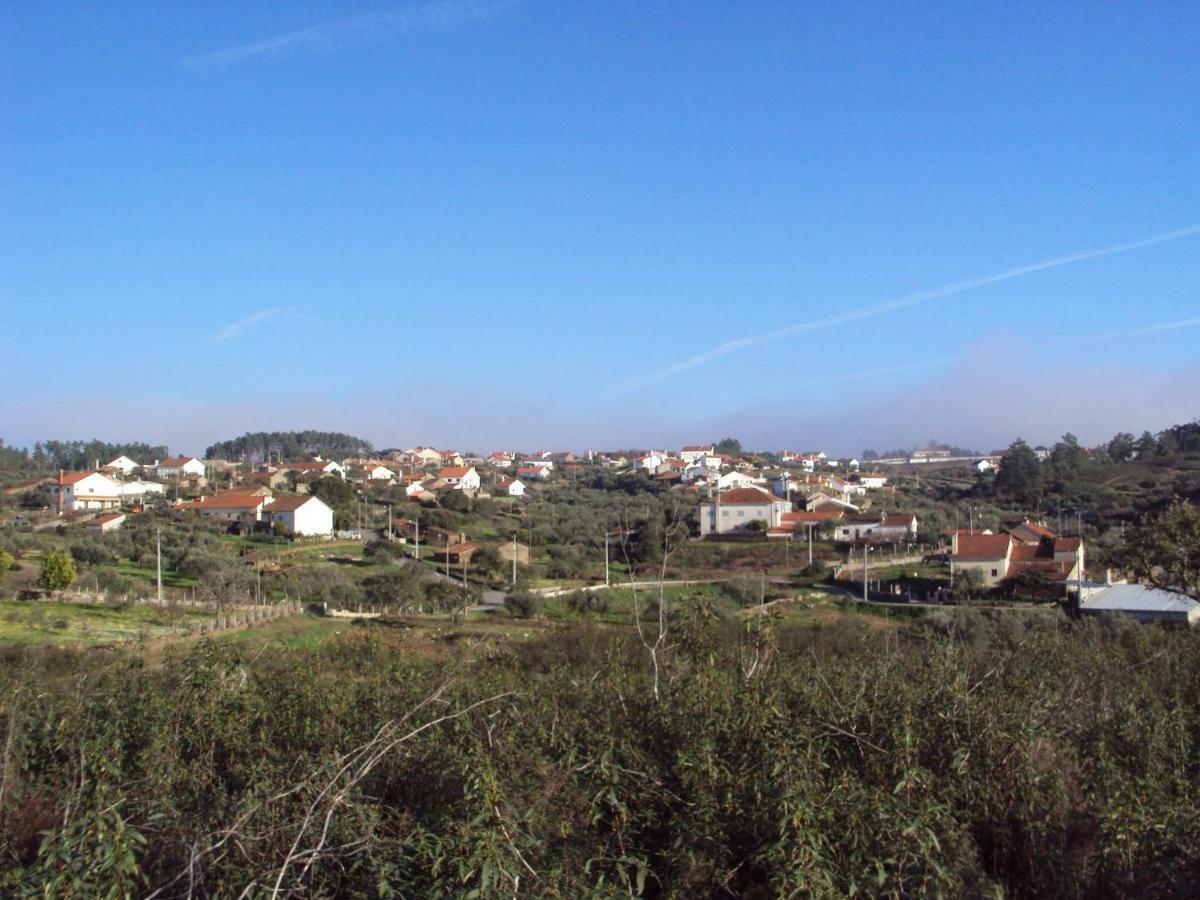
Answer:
(962, 761)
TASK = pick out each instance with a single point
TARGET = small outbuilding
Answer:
(1142, 603)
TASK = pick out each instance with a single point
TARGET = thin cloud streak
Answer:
(235, 328)
(879, 309)
(369, 28)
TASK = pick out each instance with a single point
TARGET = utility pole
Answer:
(158, 562)
(606, 582)
(810, 528)
(417, 524)
(514, 560)
(866, 551)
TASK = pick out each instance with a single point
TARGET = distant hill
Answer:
(258, 446)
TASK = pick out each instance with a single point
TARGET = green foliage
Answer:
(729, 446)
(978, 757)
(84, 454)
(455, 501)
(1020, 476)
(523, 604)
(6, 562)
(1165, 548)
(398, 587)
(58, 571)
(258, 446)
(339, 495)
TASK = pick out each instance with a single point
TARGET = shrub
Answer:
(524, 604)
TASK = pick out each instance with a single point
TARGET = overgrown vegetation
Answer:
(971, 758)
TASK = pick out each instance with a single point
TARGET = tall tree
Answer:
(1020, 475)
(1164, 549)
(1121, 447)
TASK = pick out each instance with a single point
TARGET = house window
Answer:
(995, 572)
(741, 514)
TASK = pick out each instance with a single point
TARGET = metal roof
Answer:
(1138, 598)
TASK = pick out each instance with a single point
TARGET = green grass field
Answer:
(75, 624)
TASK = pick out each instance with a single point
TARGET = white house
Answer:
(885, 529)
(738, 480)
(872, 481)
(734, 510)
(514, 487)
(77, 491)
(461, 478)
(124, 465)
(500, 460)
(696, 453)
(317, 467)
(105, 523)
(983, 465)
(137, 490)
(181, 466)
(650, 462)
(301, 514)
(539, 472)
(417, 486)
(378, 473)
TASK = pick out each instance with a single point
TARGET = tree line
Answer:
(261, 446)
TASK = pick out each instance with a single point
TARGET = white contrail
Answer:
(235, 328)
(369, 28)
(878, 309)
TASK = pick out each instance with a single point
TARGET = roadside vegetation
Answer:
(960, 756)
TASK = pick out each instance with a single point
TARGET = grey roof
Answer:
(1138, 598)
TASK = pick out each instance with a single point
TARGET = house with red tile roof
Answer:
(315, 468)
(461, 478)
(80, 491)
(513, 487)
(1000, 557)
(233, 506)
(732, 511)
(181, 466)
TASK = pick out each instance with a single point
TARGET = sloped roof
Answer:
(73, 477)
(746, 496)
(292, 502)
(982, 546)
(227, 500)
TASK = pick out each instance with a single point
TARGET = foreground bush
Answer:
(1023, 761)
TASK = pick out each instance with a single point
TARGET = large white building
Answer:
(182, 466)
(301, 514)
(78, 491)
(734, 510)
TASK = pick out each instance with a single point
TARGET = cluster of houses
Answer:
(1028, 548)
(744, 487)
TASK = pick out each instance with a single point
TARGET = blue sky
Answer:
(485, 224)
